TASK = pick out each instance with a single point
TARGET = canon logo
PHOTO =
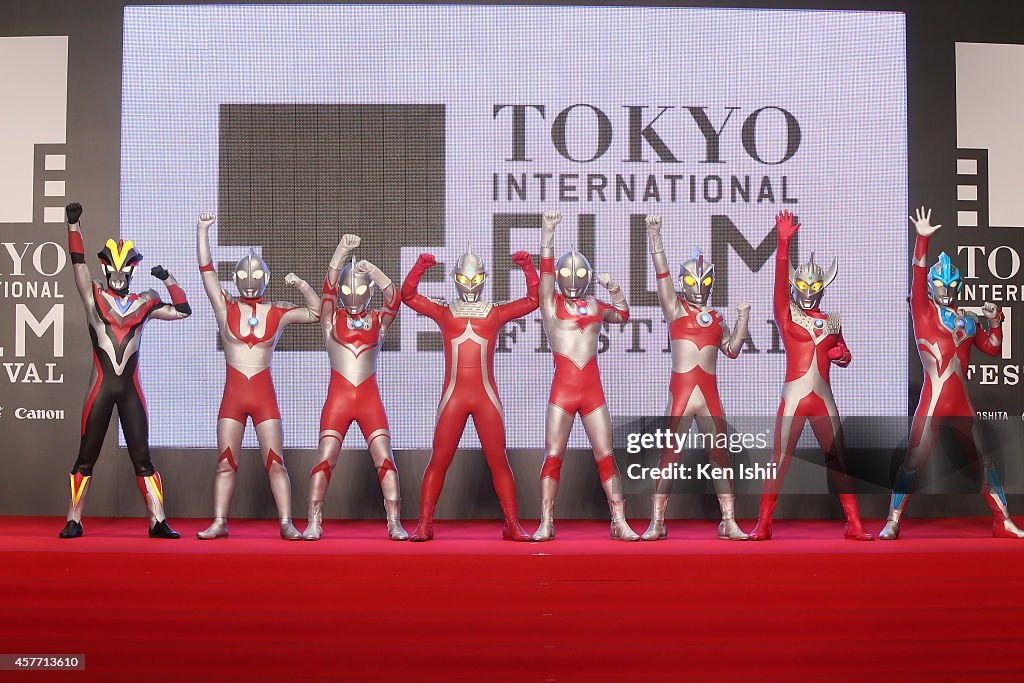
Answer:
(29, 414)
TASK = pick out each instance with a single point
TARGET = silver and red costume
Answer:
(945, 336)
(249, 328)
(814, 342)
(354, 336)
(116, 319)
(697, 333)
(573, 322)
(470, 329)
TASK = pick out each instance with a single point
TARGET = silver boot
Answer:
(219, 529)
(728, 529)
(657, 531)
(620, 529)
(546, 530)
(314, 521)
(891, 530)
(393, 511)
(288, 530)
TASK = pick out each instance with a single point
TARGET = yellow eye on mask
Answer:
(801, 285)
(689, 280)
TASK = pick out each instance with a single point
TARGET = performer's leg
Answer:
(657, 530)
(713, 424)
(968, 435)
(131, 410)
(378, 440)
(490, 427)
(924, 431)
(271, 438)
(598, 425)
(99, 405)
(450, 425)
(828, 430)
(787, 434)
(331, 435)
(229, 445)
(557, 425)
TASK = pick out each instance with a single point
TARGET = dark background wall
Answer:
(37, 454)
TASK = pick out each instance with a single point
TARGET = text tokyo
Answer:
(642, 131)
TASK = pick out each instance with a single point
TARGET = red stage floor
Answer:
(943, 603)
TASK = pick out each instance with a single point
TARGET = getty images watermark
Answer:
(667, 442)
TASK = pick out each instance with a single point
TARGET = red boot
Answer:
(425, 528)
(763, 529)
(513, 530)
(854, 529)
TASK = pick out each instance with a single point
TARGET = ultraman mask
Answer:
(696, 277)
(251, 276)
(356, 289)
(573, 274)
(469, 274)
(944, 281)
(809, 282)
(119, 260)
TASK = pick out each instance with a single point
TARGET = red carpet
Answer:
(943, 603)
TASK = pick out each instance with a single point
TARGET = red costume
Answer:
(470, 328)
(813, 341)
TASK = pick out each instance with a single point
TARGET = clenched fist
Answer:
(292, 280)
(205, 220)
(605, 280)
(838, 351)
(73, 212)
(653, 224)
(991, 311)
(521, 258)
(426, 261)
(160, 273)
(350, 242)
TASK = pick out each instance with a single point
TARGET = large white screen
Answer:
(840, 75)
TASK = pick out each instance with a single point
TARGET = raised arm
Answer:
(919, 280)
(412, 298)
(329, 300)
(345, 248)
(546, 290)
(211, 283)
(992, 342)
(618, 311)
(520, 307)
(785, 227)
(307, 313)
(732, 343)
(666, 290)
(387, 289)
(76, 247)
(179, 307)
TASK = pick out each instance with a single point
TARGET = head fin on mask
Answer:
(831, 273)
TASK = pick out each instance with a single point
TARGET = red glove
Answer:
(521, 258)
(786, 224)
(425, 261)
(838, 352)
